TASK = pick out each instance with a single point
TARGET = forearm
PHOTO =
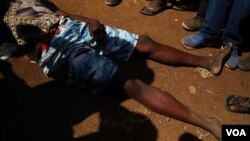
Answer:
(96, 29)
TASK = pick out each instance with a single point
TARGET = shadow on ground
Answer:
(48, 112)
(188, 137)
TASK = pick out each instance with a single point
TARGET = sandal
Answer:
(150, 11)
(237, 104)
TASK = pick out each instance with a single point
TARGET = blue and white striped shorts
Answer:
(87, 62)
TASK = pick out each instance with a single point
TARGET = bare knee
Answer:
(145, 44)
(145, 39)
(133, 88)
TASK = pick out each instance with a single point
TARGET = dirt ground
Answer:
(36, 108)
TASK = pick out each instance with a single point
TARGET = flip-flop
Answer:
(237, 104)
(150, 11)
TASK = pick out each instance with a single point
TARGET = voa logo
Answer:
(236, 132)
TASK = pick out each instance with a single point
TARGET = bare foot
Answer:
(214, 127)
(215, 63)
(211, 124)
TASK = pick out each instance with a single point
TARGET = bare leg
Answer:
(165, 104)
(172, 56)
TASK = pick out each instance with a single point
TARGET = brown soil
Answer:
(37, 108)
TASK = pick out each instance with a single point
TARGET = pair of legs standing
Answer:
(223, 16)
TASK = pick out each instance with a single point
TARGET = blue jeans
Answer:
(225, 14)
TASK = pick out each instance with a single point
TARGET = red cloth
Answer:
(46, 40)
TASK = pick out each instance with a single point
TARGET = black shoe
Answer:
(245, 64)
(113, 2)
(193, 24)
(185, 5)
